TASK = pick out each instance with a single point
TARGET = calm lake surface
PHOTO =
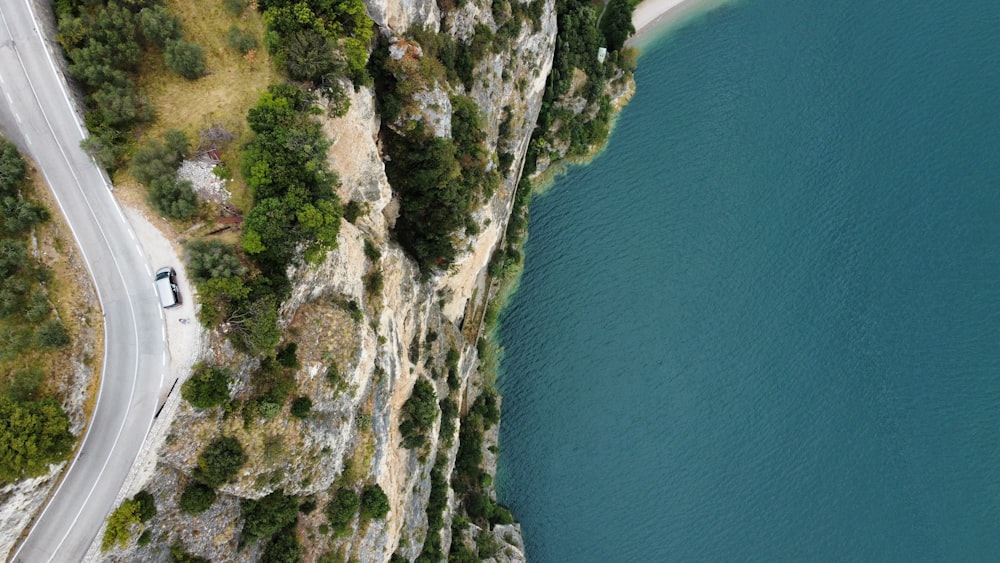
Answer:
(764, 325)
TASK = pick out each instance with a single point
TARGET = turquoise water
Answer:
(763, 325)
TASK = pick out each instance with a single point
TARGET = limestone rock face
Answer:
(368, 325)
(400, 15)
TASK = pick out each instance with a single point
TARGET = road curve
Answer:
(42, 121)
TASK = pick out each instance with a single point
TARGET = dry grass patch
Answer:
(232, 84)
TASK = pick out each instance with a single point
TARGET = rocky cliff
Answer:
(368, 324)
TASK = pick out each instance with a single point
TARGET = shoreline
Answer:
(653, 16)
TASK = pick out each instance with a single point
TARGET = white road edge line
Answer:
(121, 276)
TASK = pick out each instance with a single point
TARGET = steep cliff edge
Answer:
(368, 323)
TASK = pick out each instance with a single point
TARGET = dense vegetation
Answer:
(418, 414)
(286, 168)
(196, 498)
(342, 508)
(577, 42)
(270, 514)
(470, 480)
(319, 40)
(105, 42)
(374, 502)
(35, 429)
(207, 387)
(439, 181)
(616, 24)
(119, 525)
(219, 461)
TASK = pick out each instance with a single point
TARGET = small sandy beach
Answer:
(652, 15)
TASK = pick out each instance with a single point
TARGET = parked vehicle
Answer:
(166, 287)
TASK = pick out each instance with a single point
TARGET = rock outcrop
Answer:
(368, 324)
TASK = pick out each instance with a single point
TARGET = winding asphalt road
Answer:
(36, 113)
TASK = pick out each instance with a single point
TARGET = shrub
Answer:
(147, 505)
(13, 169)
(283, 548)
(220, 461)
(286, 356)
(197, 498)
(341, 509)
(159, 26)
(33, 435)
(145, 538)
(173, 198)
(160, 159)
(301, 407)
(212, 259)
(185, 58)
(352, 211)
(51, 334)
(235, 7)
(268, 515)
(340, 101)
(23, 385)
(119, 526)
(374, 502)
(207, 387)
(374, 282)
(241, 40)
(418, 415)
(372, 251)
(179, 554)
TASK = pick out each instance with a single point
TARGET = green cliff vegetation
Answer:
(106, 42)
(33, 340)
(440, 180)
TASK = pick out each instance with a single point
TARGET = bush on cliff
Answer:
(419, 413)
(207, 387)
(220, 461)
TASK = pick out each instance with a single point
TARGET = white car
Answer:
(166, 287)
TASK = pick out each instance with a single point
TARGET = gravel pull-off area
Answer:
(203, 179)
(185, 338)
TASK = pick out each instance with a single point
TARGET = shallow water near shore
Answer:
(763, 324)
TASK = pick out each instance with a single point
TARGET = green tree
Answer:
(301, 407)
(173, 198)
(210, 258)
(185, 58)
(310, 56)
(19, 215)
(120, 523)
(284, 547)
(272, 513)
(419, 413)
(147, 505)
(13, 169)
(255, 327)
(220, 461)
(159, 159)
(159, 26)
(374, 502)
(342, 508)
(33, 435)
(207, 387)
(51, 334)
(197, 498)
